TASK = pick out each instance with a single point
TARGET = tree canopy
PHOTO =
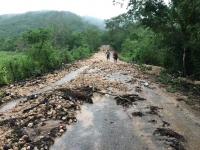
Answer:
(177, 26)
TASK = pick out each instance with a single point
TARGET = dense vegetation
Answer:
(16, 24)
(38, 42)
(153, 32)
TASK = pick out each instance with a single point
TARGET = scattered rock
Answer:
(152, 121)
(169, 133)
(172, 138)
(126, 100)
(30, 125)
(138, 89)
(146, 84)
(138, 113)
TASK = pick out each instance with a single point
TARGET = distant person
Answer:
(115, 56)
(107, 54)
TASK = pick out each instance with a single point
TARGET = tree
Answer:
(92, 38)
(118, 29)
(38, 37)
(178, 24)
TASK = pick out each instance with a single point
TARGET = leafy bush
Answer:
(3, 75)
(80, 52)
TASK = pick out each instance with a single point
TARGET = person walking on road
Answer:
(115, 56)
(107, 54)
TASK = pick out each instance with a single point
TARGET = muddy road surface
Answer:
(96, 104)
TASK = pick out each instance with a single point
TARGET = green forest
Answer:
(38, 42)
(151, 32)
(156, 33)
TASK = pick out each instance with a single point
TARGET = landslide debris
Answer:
(39, 120)
(171, 138)
(128, 99)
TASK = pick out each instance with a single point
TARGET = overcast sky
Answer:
(103, 9)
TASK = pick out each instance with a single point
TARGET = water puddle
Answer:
(125, 79)
(119, 77)
(66, 78)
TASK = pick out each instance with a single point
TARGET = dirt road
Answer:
(155, 120)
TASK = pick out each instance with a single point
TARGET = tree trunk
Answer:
(186, 60)
(12, 70)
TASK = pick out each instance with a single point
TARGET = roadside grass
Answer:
(5, 59)
(178, 85)
(144, 68)
(32, 62)
(126, 59)
(171, 82)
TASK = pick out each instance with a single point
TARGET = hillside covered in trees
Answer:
(14, 24)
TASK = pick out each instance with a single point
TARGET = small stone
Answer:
(8, 134)
(65, 110)
(70, 103)
(59, 134)
(59, 106)
(78, 107)
(28, 147)
(35, 148)
(15, 144)
(54, 112)
(64, 118)
(7, 146)
(25, 137)
(21, 142)
(15, 148)
(75, 120)
(61, 131)
(9, 141)
(23, 148)
(30, 125)
(70, 121)
(50, 113)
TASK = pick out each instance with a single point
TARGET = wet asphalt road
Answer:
(101, 126)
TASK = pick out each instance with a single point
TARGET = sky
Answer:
(103, 9)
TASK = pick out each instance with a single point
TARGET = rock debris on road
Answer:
(106, 106)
